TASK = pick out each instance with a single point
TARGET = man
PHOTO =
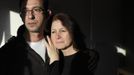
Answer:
(26, 54)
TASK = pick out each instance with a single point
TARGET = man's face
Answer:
(34, 15)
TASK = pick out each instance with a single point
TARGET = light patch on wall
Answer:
(15, 22)
(121, 50)
(3, 39)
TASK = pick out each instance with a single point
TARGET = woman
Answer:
(65, 35)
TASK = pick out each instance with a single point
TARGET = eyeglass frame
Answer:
(34, 11)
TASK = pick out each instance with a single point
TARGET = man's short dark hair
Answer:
(45, 4)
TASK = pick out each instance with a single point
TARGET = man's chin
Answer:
(34, 30)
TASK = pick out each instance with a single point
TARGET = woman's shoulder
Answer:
(88, 58)
(93, 58)
(90, 53)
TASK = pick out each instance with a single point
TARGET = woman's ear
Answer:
(49, 12)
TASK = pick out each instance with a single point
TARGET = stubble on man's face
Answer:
(34, 22)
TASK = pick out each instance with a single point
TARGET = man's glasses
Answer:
(35, 11)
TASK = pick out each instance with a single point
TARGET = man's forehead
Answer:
(32, 3)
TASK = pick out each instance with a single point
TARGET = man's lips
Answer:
(32, 23)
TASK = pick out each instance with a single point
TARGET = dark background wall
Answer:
(104, 22)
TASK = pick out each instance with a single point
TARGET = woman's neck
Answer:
(69, 51)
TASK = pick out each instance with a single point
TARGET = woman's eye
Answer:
(53, 32)
(63, 30)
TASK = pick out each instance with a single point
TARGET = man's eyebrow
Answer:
(34, 7)
(38, 7)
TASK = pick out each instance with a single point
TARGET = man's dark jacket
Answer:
(17, 58)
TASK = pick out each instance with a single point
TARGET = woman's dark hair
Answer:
(72, 26)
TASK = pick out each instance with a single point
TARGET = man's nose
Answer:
(31, 15)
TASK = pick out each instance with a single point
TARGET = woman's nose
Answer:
(58, 36)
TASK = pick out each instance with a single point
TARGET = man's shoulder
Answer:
(11, 39)
(9, 43)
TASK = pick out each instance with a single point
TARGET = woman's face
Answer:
(60, 35)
